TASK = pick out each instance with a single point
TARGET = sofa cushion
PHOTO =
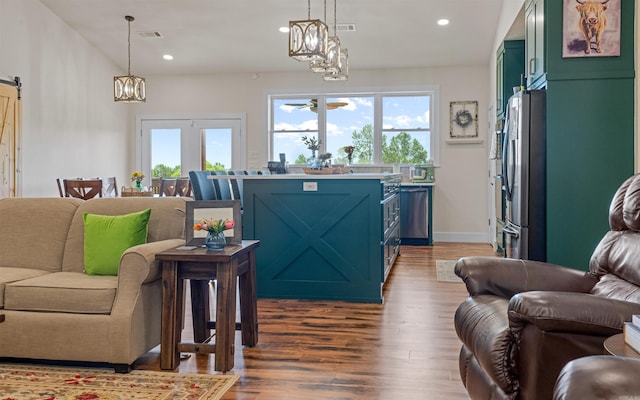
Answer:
(166, 222)
(107, 237)
(8, 275)
(34, 231)
(70, 292)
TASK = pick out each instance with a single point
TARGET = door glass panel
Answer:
(217, 149)
(165, 152)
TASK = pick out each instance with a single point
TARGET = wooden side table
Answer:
(616, 346)
(200, 266)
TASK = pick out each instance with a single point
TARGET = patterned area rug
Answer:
(444, 271)
(31, 382)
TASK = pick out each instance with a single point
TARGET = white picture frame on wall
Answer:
(463, 119)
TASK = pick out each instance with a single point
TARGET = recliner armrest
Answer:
(505, 277)
(570, 312)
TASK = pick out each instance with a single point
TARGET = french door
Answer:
(175, 146)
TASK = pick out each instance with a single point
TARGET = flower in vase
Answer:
(214, 226)
(137, 176)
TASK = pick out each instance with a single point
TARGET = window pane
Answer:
(293, 119)
(218, 152)
(406, 135)
(165, 152)
(405, 147)
(405, 112)
(350, 123)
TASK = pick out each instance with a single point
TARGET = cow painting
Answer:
(593, 21)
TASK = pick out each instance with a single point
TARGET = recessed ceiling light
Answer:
(443, 22)
(284, 29)
(167, 57)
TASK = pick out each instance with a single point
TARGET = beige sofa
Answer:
(54, 311)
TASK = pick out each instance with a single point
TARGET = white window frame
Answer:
(377, 93)
(191, 144)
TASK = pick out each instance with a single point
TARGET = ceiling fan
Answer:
(313, 105)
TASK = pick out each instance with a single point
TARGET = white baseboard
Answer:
(462, 237)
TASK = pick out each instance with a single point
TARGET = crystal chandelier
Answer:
(308, 38)
(129, 88)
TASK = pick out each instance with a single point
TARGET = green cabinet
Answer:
(590, 129)
(535, 47)
(322, 237)
(509, 70)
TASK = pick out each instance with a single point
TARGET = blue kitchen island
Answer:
(332, 237)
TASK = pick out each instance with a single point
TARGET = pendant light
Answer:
(129, 88)
(308, 38)
(337, 62)
(330, 63)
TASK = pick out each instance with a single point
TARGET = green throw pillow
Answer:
(107, 237)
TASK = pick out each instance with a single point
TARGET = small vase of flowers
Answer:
(215, 240)
(137, 177)
(312, 144)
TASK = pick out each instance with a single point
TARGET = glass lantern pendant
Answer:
(308, 38)
(129, 88)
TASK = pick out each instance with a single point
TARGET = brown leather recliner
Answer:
(599, 378)
(524, 320)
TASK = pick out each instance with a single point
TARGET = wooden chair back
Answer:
(183, 187)
(168, 186)
(60, 188)
(82, 188)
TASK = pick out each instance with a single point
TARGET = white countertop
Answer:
(378, 175)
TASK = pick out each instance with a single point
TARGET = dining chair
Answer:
(156, 182)
(222, 186)
(237, 186)
(183, 187)
(109, 187)
(202, 186)
(60, 188)
(82, 188)
(168, 186)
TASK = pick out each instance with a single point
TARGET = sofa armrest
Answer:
(599, 377)
(138, 264)
(505, 277)
(570, 312)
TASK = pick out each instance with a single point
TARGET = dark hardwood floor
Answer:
(405, 348)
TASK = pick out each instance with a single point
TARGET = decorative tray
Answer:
(326, 171)
(134, 192)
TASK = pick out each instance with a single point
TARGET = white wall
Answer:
(71, 126)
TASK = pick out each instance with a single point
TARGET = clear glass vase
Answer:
(215, 241)
(313, 162)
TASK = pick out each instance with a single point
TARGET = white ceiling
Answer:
(209, 36)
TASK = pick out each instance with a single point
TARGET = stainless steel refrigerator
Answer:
(524, 176)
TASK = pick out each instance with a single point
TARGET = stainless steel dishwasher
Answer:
(415, 215)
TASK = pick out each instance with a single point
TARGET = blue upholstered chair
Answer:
(237, 186)
(203, 187)
(223, 188)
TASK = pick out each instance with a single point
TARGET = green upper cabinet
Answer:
(534, 38)
(509, 68)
